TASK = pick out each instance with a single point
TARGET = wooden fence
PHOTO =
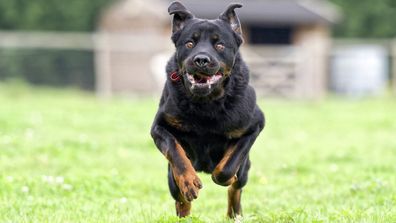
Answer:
(274, 70)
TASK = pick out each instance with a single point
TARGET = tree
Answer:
(49, 67)
(70, 15)
(367, 18)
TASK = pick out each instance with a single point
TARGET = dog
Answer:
(208, 118)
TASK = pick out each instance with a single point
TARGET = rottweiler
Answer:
(208, 118)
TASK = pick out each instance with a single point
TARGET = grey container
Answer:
(359, 70)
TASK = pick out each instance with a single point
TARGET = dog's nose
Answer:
(201, 60)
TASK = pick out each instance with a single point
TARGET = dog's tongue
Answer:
(201, 80)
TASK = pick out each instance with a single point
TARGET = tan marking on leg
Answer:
(185, 176)
(219, 168)
(234, 201)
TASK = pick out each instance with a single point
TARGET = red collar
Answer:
(174, 76)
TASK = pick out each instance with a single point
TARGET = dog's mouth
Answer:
(202, 80)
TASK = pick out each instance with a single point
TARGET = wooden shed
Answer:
(286, 44)
(130, 34)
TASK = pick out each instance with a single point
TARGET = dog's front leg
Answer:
(183, 172)
(225, 172)
(232, 171)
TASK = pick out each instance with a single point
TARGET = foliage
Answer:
(367, 18)
(56, 68)
(68, 157)
(71, 15)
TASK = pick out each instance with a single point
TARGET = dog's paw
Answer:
(189, 185)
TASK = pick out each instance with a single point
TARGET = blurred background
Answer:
(295, 48)
(324, 72)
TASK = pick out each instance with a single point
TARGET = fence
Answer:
(122, 63)
(58, 59)
(280, 66)
(101, 61)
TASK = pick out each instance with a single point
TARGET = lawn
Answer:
(66, 156)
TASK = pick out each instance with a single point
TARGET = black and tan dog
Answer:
(207, 118)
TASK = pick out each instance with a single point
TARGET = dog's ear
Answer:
(231, 18)
(180, 16)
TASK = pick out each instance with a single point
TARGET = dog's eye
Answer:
(189, 45)
(219, 47)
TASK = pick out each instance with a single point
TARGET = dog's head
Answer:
(205, 49)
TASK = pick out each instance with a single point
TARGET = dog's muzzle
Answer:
(203, 81)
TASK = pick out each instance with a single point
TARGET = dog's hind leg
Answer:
(235, 190)
(234, 201)
(183, 207)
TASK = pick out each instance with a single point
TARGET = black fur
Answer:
(208, 121)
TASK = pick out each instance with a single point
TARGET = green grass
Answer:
(66, 156)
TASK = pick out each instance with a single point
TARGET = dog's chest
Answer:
(205, 151)
(230, 125)
(205, 138)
